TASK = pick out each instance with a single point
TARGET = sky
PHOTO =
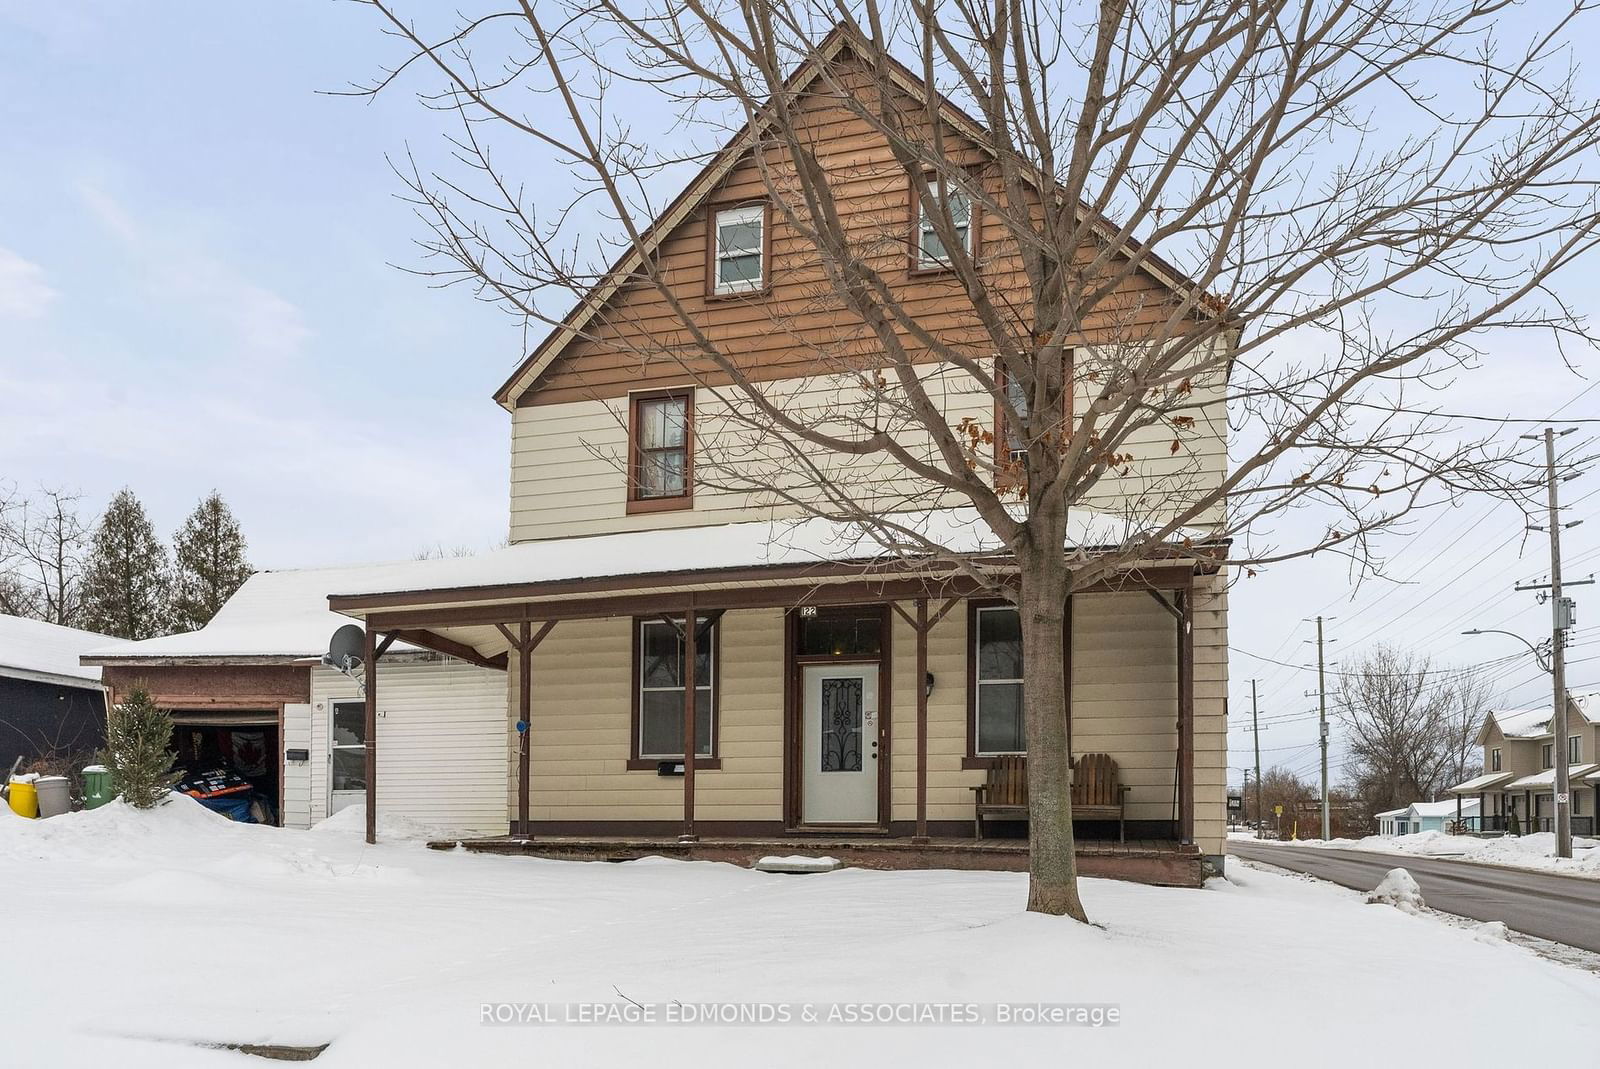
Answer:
(201, 287)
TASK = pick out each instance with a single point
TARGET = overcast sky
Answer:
(196, 291)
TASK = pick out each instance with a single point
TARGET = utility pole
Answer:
(1561, 619)
(1322, 725)
(1255, 728)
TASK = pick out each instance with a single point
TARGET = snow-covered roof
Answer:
(48, 653)
(1445, 808)
(1535, 723)
(1481, 783)
(1392, 813)
(747, 544)
(280, 614)
(1547, 778)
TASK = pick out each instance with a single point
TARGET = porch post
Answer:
(690, 653)
(369, 665)
(1185, 717)
(922, 720)
(525, 717)
(1458, 814)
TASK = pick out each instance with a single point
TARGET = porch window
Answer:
(1575, 749)
(1547, 755)
(662, 446)
(997, 682)
(1494, 759)
(659, 674)
(740, 248)
(931, 251)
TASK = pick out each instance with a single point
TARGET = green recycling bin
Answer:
(97, 788)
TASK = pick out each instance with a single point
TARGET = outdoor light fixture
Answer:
(929, 691)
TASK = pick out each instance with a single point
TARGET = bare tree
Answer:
(42, 542)
(1411, 727)
(1321, 271)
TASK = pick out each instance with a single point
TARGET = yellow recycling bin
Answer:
(24, 798)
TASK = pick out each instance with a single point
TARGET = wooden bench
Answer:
(1096, 794)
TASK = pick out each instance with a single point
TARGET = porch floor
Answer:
(1160, 862)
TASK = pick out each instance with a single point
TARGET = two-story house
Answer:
(693, 660)
(1516, 791)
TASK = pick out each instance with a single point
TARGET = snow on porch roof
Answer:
(48, 653)
(1481, 783)
(281, 614)
(749, 544)
(1547, 778)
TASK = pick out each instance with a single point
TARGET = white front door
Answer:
(347, 756)
(839, 781)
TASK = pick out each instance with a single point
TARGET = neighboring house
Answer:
(248, 691)
(1517, 788)
(1427, 816)
(50, 704)
(835, 691)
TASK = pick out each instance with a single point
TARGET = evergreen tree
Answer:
(126, 583)
(138, 735)
(209, 553)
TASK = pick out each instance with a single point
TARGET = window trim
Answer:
(1574, 758)
(1494, 759)
(333, 714)
(974, 759)
(636, 761)
(1547, 755)
(1002, 450)
(713, 291)
(916, 265)
(635, 501)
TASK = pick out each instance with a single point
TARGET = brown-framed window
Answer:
(928, 251)
(1547, 755)
(1575, 749)
(996, 660)
(1010, 444)
(657, 733)
(738, 253)
(1494, 759)
(661, 448)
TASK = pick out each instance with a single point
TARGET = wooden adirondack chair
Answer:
(1096, 794)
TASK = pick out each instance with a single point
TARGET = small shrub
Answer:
(137, 738)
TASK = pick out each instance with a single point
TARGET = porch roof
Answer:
(687, 558)
(1491, 781)
(1546, 780)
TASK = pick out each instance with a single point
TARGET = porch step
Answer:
(797, 863)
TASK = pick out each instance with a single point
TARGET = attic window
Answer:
(662, 447)
(739, 251)
(931, 250)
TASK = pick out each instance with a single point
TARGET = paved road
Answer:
(1563, 908)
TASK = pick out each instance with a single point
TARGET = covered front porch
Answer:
(762, 707)
(1509, 804)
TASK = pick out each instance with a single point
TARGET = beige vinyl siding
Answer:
(297, 774)
(569, 460)
(441, 742)
(582, 703)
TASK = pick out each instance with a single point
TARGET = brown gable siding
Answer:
(776, 334)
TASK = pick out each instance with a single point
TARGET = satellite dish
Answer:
(345, 648)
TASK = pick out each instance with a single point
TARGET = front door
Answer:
(839, 781)
(347, 757)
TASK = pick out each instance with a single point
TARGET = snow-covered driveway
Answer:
(130, 936)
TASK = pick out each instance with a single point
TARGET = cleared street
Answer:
(1565, 909)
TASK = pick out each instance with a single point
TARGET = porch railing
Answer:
(1516, 825)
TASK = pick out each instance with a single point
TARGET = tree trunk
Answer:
(1052, 863)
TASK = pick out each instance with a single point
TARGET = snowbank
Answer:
(143, 935)
(1535, 852)
(1398, 889)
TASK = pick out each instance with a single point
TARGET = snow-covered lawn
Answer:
(1536, 852)
(129, 937)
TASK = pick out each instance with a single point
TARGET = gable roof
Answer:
(700, 188)
(48, 653)
(1535, 723)
(277, 616)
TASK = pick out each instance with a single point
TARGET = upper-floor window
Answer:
(1014, 441)
(931, 250)
(661, 447)
(1547, 755)
(739, 249)
(1494, 759)
(1575, 749)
